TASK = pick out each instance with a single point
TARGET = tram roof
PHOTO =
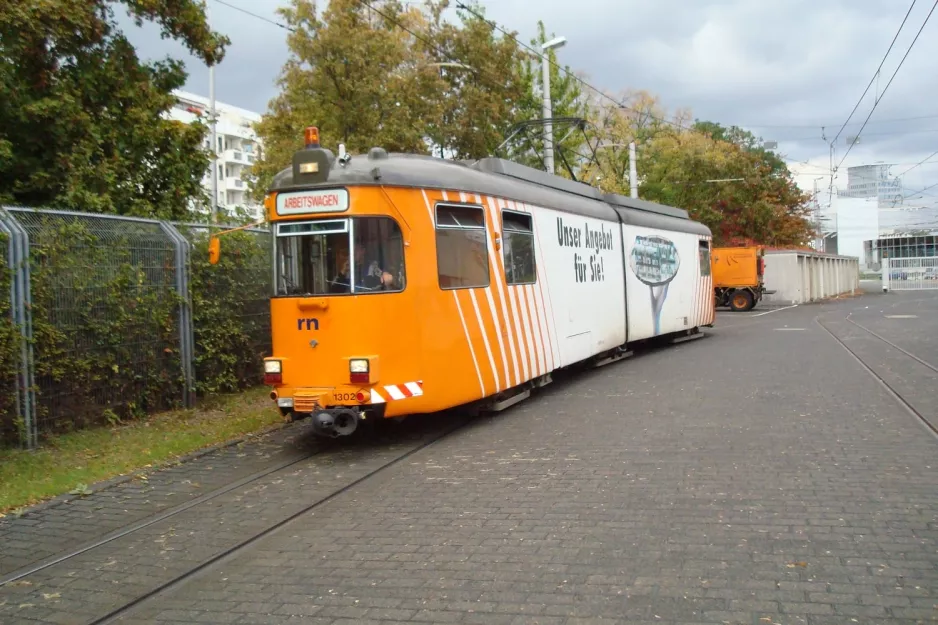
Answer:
(493, 177)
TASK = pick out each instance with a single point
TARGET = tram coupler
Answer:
(336, 422)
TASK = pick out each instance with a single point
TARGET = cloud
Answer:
(781, 69)
(248, 74)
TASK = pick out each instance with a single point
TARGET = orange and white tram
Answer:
(408, 284)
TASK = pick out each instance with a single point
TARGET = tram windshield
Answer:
(321, 257)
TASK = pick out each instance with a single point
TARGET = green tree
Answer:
(81, 117)
(359, 76)
(356, 75)
(738, 193)
(480, 100)
(722, 176)
(788, 205)
(745, 140)
(616, 121)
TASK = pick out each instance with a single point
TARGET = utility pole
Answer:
(819, 237)
(830, 189)
(211, 98)
(211, 78)
(633, 172)
(548, 130)
(442, 77)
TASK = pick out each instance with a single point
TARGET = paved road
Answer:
(760, 475)
(69, 520)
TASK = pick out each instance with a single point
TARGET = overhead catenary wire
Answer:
(886, 88)
(255, 15)
(876, 73)
(494, 25)
(918, 164)
(822, 125)
(418, 37)
(364, 3)
(593, 88)
(600, 92)
(427, 42)
(618, 104)
(914, 193)
(894, 133)
(433, 46)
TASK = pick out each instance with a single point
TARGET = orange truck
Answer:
(738, 276)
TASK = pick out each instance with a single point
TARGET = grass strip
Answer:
(70, 462)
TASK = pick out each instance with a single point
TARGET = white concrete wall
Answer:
(800, 277)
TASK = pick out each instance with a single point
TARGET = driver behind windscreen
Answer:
(368, 275)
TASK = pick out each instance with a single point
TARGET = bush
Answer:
(105, 322)
(105, 313)
(231, 310)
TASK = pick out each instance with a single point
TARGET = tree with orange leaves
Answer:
(721, 176)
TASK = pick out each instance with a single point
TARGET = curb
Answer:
(109, 483)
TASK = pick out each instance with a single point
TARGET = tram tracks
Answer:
(114, 576)
(889, 379)
(68, 554)
(111, 577)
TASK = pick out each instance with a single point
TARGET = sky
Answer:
(789, 71)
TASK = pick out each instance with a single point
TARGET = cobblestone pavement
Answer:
(71, 521)
(760, 475)
(98, 581)
(884, 336)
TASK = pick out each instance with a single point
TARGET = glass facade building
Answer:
(900, 246)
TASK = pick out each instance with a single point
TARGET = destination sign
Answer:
(313, 201)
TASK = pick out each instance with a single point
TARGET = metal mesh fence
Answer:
(106, 317)
(911, 274)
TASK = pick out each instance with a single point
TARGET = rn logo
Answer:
(311, 322)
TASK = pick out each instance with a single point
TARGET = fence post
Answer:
(190, 322)
(14, 308)
(21, 301)
(186, 332)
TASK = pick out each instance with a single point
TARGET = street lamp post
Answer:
(548, 130)
(213, 134)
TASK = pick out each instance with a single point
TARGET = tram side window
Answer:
(518, 250)
(379, 255)
(704, 258)
(461, 247)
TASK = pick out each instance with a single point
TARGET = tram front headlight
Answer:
(273, 372)
(359, 371)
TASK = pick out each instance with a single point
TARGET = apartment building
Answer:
(237, 147)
